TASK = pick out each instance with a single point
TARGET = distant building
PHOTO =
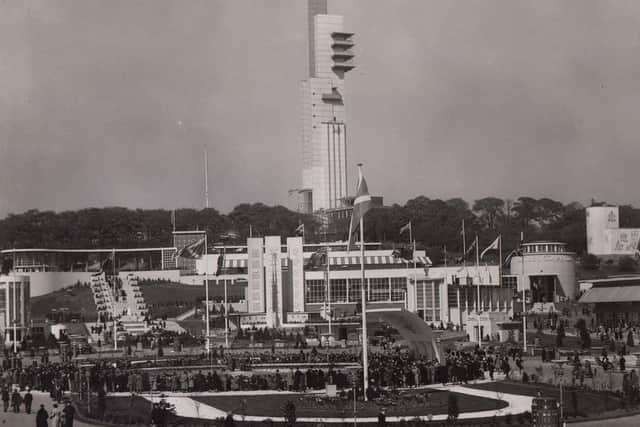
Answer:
(604, 235)
(548, 274)
(324, 129)
(15, 308)
(615, 299)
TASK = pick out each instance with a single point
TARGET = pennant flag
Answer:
(192, 251)
(406, 227)
(318, 258)
(470, 248)
(230, 235)
(300, 230)
(173, 219)
(361, 206)
(462, 229)
(492, 247)
(515, 252)
(220, 264)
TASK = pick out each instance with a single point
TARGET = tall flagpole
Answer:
(206, 296)
(524, 296)
(478, 304)
(328, 288)
(114, 297)
(500, 261)
(365, 356)
(226, 301)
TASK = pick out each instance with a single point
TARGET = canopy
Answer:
(611, 294)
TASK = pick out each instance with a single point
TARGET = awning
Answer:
(611, 294)
(341, 260)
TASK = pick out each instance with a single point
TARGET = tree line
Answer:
(436, 224)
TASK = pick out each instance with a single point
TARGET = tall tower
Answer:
(324, 133)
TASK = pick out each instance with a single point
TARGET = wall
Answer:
(561, 265)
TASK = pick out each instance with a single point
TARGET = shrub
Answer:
(627, 264)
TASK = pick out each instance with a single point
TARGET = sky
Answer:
(111, 103)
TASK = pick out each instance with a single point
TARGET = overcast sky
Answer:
(107, 103)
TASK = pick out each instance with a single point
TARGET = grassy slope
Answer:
(173, 299)
(76, 300)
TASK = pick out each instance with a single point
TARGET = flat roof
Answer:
(9, 251)
(615, 294)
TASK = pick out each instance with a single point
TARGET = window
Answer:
(314, 291)
(355, 294)
(379, 288)
(398, 288)
(338, 290)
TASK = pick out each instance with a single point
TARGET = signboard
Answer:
(624, 241)
(297, 317)
(294, 247)
(255, 275)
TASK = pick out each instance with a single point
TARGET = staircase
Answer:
(131, 294)
(102, 296)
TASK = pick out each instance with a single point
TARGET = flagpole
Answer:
(524, 297)
(328, 288)
(226, 301)
(365, 356)
(500, 261)
(478, 286)
(115, 286)
(464, 247)
(206, 296)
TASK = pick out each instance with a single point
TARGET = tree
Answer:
(590, 262)
(489, 210)
(626, 264)
(560, 334)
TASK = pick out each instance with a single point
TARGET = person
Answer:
(42, 417)
(5, 398)
(382, 418)
(56, 416)
(16, 401)
(28, 400)
(69, 412)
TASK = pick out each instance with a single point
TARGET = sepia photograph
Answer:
(316, 213)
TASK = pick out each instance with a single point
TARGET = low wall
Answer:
(168, 275)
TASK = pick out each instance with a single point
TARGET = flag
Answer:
(318, 258)
(361, 206)
(300, 230)
(492, 247)
(230, 235)
(192, 251)
(173, 219)
(404, 253)
(470, 248)
(406, 227)
(220, 264)
(515, 252)
(462, 229)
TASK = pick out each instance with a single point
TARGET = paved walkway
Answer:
(21, 419)
(187, 407)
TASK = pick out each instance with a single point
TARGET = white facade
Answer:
(547, 265)
(604, 235)
(14, 305)
(323, 113)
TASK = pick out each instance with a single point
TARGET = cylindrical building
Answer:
(549, 271)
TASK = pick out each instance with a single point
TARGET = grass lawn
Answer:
(411, 403)
(172, 299)
(118, 410)
(75, 299)
(589, 402)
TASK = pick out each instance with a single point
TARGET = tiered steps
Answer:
(133, 326)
